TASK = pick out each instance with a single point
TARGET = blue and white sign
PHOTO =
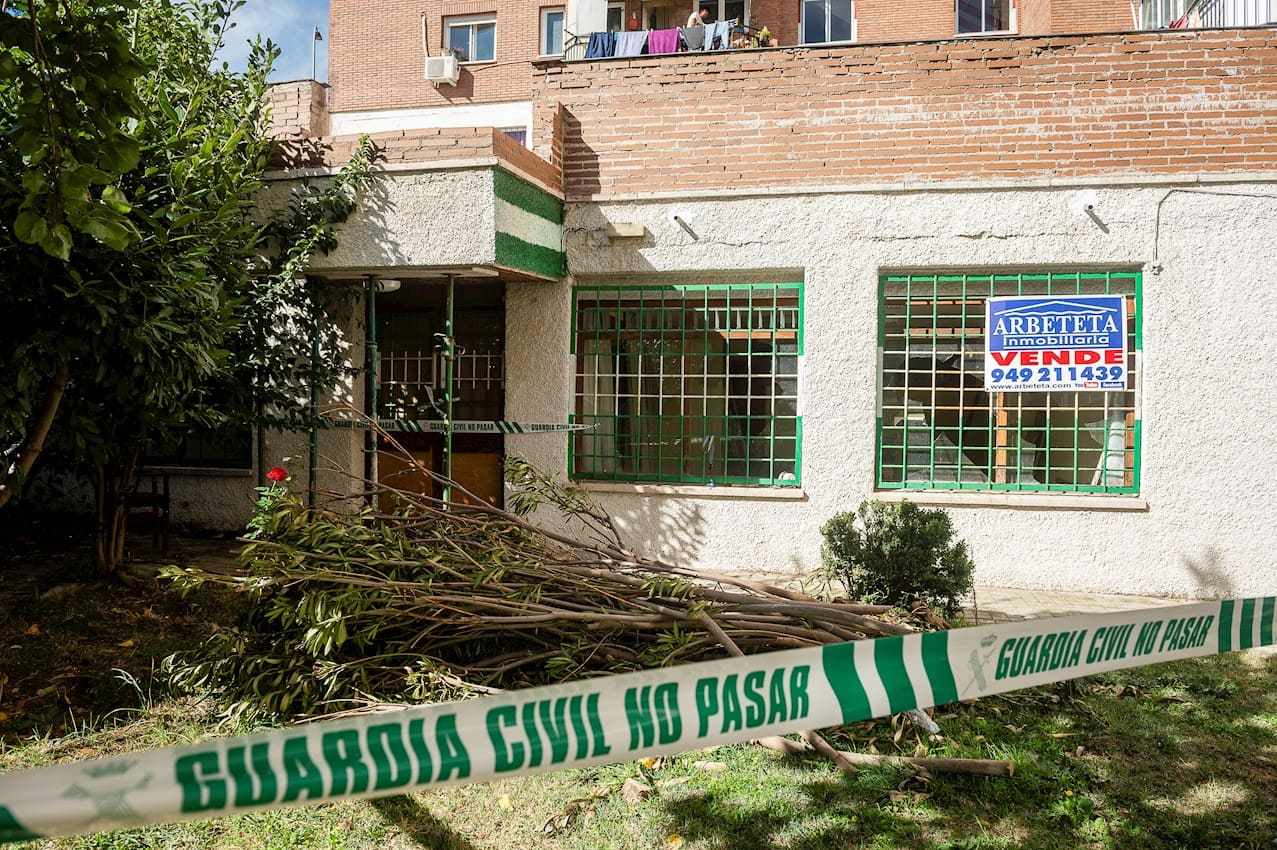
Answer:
(1055, 343)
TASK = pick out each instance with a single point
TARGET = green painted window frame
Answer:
(890, 474)
(784, 467)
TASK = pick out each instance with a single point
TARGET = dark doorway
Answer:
(411, 383)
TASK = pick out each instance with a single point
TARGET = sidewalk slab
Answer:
(1003, 604)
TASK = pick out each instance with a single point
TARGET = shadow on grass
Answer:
(419, 824)
(1172, 756)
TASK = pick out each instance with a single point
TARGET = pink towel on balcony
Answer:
(662, 41)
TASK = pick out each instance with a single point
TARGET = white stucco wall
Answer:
(220, 500)
(442, 217)
(1210, 317)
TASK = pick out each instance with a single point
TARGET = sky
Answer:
(288, 23)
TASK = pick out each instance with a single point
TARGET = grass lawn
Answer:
(1177, 755)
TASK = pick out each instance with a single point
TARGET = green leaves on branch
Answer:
(71, 88)
(290, 338)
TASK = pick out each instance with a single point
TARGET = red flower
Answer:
(277, 473)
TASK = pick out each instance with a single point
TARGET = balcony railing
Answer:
(1194, 14)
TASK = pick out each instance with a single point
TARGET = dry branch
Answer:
(408, 598)
(854, 761)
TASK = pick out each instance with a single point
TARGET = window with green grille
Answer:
(688, 384)
(939, 428)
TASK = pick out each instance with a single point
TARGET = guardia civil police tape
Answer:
(611, 719)
(467, 426)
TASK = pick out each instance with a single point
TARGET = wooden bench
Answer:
(157, 502)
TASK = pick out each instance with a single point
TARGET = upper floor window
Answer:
(980, 16)
(615, 17)
(725, 10)
(828, 20)
(474, 38)
(551, 31)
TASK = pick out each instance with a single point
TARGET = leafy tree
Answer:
(67, 89)
(144, 338)
(70, 91)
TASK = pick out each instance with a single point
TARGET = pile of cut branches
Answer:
(433, 601)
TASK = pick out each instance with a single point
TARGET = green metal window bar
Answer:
(688, 384)
(938, 428)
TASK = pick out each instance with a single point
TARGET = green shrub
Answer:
(894, 554)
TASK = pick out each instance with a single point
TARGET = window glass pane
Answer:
(734, 10)
(970, 15)
(615, 18)
(519, 134)
(814, 22)
(227, 447)
(684, 384)
(459, 40)
(942, 429)
(552, 38)
(840, 20)
(997, 15)
(485, 42)
(710, 7)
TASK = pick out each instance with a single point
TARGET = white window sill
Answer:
(477, 62)
(989, 34)
(1022, 501)
(695, 491)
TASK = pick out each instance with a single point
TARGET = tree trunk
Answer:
(114, 484)
(34, 443)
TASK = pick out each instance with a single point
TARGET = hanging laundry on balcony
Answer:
(694, 37)
(718, 35)
(602, 45)
(1179, 23)
(631, 43)
(662, 41)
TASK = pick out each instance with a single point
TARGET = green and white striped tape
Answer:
(467, 426)
(611, 719)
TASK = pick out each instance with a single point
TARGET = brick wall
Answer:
(917, 20)
(1033, 17)
(376, 59)
(443, 146)
(1091, 16)
(1156, 103)
(780, 16)
(904, 20)
(298, 109)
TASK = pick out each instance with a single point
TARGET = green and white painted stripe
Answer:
(467, 426)
(612, 719)
(529, 227)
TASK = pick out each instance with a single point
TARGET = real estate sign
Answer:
(1055, 343)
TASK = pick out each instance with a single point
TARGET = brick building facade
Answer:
(376, 59)
(760, 279)
(919, 112)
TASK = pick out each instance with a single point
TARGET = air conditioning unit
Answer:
(443, 70)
